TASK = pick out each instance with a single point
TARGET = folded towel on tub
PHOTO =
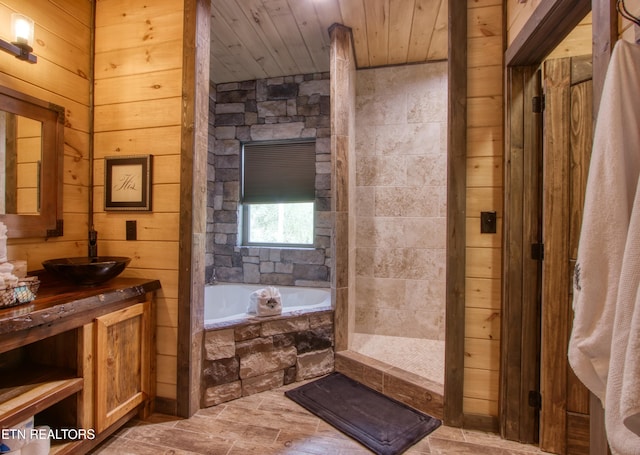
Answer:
(265, 302)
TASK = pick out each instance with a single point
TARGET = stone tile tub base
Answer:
(253, 357)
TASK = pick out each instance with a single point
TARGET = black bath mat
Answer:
(384, 425)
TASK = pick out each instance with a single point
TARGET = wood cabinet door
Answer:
(121, 363)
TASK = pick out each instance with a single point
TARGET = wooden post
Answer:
(193, 196)
(456, 213)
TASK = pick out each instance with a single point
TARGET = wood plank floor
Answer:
(268, 423)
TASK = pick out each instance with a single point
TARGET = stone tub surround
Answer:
(282, 108)
(265, 353)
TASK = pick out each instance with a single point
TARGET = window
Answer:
(280, 223)
(278, 193)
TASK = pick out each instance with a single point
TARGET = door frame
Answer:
(545, 29)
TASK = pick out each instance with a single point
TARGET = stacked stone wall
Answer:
(283, 108)
(257, 356)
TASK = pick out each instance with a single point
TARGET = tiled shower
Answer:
(401, 189)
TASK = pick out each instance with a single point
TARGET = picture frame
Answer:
(127, 183)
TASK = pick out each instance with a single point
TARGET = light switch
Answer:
(131, 230)
(488, 222)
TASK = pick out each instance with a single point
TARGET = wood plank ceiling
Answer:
(256, 39)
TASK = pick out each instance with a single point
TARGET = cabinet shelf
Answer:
(27, 390)
(49, 367)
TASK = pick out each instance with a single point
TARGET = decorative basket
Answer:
(24, 292)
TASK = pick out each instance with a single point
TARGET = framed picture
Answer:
(127, 183)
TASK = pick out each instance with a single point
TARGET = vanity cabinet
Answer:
(79, 360)
(122, 357)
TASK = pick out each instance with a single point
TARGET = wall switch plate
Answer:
(131, 230)
(488, 222)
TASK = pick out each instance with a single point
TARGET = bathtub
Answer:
(226, 303)
(245, 354)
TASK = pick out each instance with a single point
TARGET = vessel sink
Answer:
(87, 271)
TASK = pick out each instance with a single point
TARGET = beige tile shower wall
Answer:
(138, 98)
(485, 46)
(401, 168)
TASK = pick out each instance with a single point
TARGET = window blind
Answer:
(278, 172)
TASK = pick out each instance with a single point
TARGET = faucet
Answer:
(93, 243)
(213, 279)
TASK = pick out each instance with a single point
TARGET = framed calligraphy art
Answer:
(127, 183)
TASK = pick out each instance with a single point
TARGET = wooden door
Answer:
(122, 359)
(522, 232)
(568, 132)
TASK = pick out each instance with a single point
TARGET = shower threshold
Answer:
(408, 388)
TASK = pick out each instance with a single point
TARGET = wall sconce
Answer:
(22, 33)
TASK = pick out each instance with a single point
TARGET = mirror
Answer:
(31, 157)
(20, 157)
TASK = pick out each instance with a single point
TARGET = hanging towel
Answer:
(623, 386)
(611, 187)
(601, 302)
(630, 396)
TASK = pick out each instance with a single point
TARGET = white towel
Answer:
(624, 376)
(630, 396)
(608, 212)
(265, 302)
(623, 385)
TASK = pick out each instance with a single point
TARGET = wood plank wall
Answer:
(61, 76)
(517, 14)
(138, 80)
(484, 193)
(577, 43)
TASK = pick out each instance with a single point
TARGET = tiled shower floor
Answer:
(422, 357)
